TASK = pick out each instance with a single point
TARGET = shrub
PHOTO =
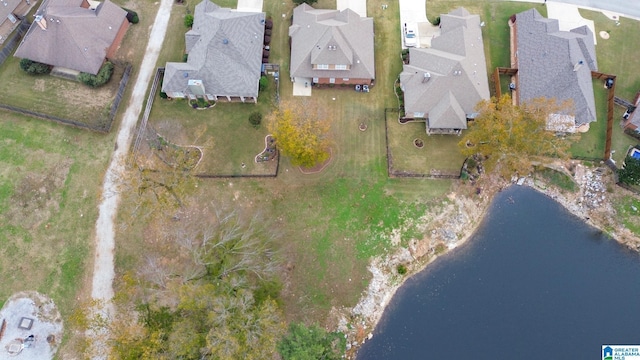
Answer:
(132, 16)
(163, 95)
(310, 2)
(255, 119)
(436, 21)
(311, 342)
(401, 269)
(103, 76)
(630, 172)
(34, 67)
(185, 57)
(188, 20)
(262, 84)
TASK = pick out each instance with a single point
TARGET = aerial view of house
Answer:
(555, 64)
(224, 61)
(443, 84)
(331, 47)
(72, 35)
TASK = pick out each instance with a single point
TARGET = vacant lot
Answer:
(331, 222)
(49, 174)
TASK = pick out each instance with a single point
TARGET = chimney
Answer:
(42, 22)
(578, 65)
(426, 77)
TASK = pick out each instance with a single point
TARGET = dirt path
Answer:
(103, 269)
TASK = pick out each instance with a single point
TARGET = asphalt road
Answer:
(631, 8)
(627, 8)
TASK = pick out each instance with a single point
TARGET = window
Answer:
(332, 80)
(315, 80)
(345, 79)
(341, 67)
(322, 67)
(178, 94)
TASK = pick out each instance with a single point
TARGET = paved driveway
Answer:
(626, 8)
(250, 5)
(413, 13)
(569, 17)
(359, 6)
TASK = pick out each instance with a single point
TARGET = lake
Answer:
(534, 282)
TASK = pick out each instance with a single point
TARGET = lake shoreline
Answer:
(360, 322)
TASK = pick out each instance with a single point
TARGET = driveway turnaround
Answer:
(569, 17)
(413, 15)
(359, 6)
(250, 5)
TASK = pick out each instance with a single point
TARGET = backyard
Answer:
(333, 222)
(56, 96)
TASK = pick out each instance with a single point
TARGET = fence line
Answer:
(147, 110)
(14, 40)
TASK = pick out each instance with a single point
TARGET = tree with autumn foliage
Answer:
(301, 132)
(511, 137)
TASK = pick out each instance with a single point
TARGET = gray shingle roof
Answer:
(225, 52)
(75, 38)
(457, 73)
(547, 58)
(331, 37)
(7, 8)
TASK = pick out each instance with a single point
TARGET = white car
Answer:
(410, 39)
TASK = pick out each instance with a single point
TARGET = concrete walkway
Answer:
(359, 6)
(103, 270)
(302, 86)
(249, 5)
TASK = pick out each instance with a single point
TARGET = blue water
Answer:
(534, 282)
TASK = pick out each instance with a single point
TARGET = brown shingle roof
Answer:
(75, 37)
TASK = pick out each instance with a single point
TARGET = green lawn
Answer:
(332, 222)
(49, 174)
(58, 97)
(440, 153)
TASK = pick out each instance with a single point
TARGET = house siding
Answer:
(342, 81)
(111, 52)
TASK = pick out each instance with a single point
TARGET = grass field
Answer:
(49, 174)
(55, 96)
(332, 222)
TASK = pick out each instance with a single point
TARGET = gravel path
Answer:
(103, 269)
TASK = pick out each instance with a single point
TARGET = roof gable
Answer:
(76, 38)
(447, 114)
(331, 37)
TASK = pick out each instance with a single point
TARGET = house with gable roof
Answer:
(72, 35)
(331, 46)
(224, 48)
(444, 83)
(557, 65)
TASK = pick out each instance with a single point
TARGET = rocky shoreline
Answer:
(457, 220)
